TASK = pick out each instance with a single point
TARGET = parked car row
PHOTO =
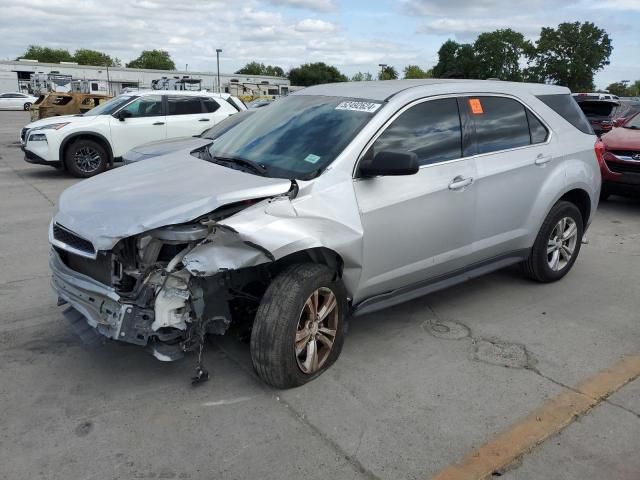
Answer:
(337, 200)
(86, 144)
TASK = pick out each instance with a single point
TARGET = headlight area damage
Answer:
(144, 292)
(167, 288)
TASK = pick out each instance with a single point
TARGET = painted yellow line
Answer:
(553, 416)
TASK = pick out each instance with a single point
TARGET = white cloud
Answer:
(315, 25)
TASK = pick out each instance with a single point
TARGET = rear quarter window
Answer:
(565, 106)
(500, 123)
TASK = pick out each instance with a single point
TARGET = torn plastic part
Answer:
(223, 250)
(171, 300)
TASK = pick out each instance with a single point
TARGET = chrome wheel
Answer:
(27, 106)
(562, 243)
(87, 159)
(317, 329)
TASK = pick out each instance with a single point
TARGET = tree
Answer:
(46, 54)
(414, 71)
(619, 89)
(570, 55)
(456, 60)
(362, 77)
(85, 56)
(498, 54)
(153, 59)
(388, 73)
(255, 68)
(315, 74)
(634, 89)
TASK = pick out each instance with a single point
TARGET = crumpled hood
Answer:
(162, 147)
(73, 119)
(165, 190)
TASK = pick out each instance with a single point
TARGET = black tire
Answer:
(85, 158)
(27, 106)
(273, 336)
(537, 265)
(604, 196)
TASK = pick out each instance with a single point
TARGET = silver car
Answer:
(338, 200)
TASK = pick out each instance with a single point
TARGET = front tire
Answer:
(85, 158)
(298, 331)
(26, 106)
(557, 245)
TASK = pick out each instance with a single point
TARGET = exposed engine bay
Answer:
(162, 303)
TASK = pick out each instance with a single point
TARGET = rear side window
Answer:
(500, 123)
(210, 105)
(430, 129)
(538, 131)
(565, 106)
(184, 105)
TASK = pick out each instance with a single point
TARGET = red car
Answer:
(620, 159)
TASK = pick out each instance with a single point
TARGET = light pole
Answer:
(218, 51)
(382, 67)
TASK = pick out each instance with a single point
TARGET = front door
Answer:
(420, 226)
(514, 160)
(145, 124)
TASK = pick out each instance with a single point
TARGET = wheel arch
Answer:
(581, 199)
(320, 255)
(97, 137)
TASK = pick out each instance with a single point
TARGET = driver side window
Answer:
(147, 106)
(429, 129)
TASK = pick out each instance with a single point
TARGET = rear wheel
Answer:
(85, 158)
(299, 327)
(557, 245)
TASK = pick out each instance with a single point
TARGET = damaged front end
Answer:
(144, 292)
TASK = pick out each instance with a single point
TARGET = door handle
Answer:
(459, 183)
(158, 123)
(203, 120)
(542, 159)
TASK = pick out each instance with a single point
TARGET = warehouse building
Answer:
(15, 76)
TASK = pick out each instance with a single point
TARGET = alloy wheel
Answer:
(562, 243)
(317, 329)
(87, 159)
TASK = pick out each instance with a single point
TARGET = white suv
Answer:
(86, 144)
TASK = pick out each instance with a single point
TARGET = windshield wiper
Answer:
(630, 127)
(255, 167)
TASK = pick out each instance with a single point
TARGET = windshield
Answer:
(597, 108)
(297, 136)
(111, 106)
(225, 125)
(633, 121)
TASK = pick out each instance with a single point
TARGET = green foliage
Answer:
(47, 55)
(315, 74)
(388, 73)
(362, 77)
(623, 90)
(255, 68)
(498, 54)
(634, 89)
(85, 56)
(153, 59)
(414, 71)
(570, 55)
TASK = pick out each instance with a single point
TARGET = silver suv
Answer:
(338, 200)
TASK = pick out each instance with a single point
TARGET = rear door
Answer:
(189, 115)
(145, 124)
(514, 158)
(417, 227)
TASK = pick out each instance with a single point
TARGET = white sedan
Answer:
(16, 101)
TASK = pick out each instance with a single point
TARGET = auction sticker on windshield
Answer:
(368, 107)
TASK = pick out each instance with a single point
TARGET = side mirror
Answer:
(123, 114)
(390, 162)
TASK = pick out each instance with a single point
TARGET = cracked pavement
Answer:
(416, 388)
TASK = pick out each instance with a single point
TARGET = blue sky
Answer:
(354, 35)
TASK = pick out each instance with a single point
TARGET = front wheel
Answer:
(557, 245)
(298, 331)
(85, 158)
(27, 106)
